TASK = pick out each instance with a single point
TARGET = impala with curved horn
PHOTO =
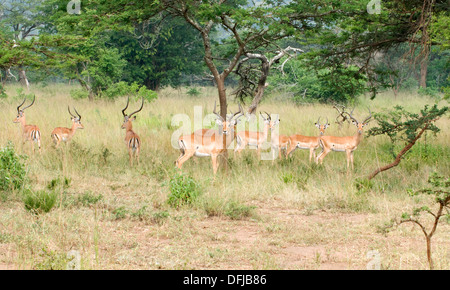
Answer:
(279, 142)
(209, 142)
(346, 144)
(65, 134)
(131, 138)
(250, 138)
(29, 132)
(310, 143)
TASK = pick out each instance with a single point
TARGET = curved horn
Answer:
(318, 121)
(350, 115)
(79, 116)
(366, 120)
(326, 123)
(142, 105)
(215, 113)
(238, 113)
(68, 108)
(18, 108)
(34, 98)
(268, 116)
(123, 111)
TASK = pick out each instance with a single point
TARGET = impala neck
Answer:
(129, 126)
(359, 136)
(23, 122)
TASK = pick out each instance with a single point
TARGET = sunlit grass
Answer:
(96, 162)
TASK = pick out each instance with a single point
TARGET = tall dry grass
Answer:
(96, 163)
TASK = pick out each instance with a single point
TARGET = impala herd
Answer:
(211, 142)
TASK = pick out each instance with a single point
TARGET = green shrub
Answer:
(88, 198)
(193, 92)
(183, 190)
(237, 211)
(12, 169)
(40, 201)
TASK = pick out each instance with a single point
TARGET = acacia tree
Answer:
(401, 125)
(248, 28)
(346, 34)
(20, 21)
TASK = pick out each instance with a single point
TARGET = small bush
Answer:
(120, 213)
(40, 201)
(12, 169)
(183, 190)
(237, 211)
(88, 198)
(193, 92)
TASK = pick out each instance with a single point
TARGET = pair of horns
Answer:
(79, 116)
(318, 121)
(268, 116)
(18, 108)
(365, 120)
(128, 101)
(238, 113)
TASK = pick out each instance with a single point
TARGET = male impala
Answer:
(346, 144)
(29, 132)
(250, 138)
(279, 142)
(65, 134)
(308, 142)
(131, 139)
(209, 142)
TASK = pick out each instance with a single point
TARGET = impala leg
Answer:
(311, 153)
(187, 154)
(291, 149)
(214, 163)
(39, 145)
(322, 156)
(130, 155)
(351, 160)
(137, 155)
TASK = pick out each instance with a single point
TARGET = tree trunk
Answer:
(423, 72)
(399, 155)
(23, 79)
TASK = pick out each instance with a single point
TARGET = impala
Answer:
(209, 142)
(279, 142)
(65, 134)
(132, 139)
(29, 132)
(308, 142)
(250, 138)
(346, 144)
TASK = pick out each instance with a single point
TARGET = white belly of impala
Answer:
(201, 154)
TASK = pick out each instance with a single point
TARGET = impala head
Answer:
(360, 125)
(228, 125)
(76, 120)
(20, 111)
(322, 127)
(127, 119)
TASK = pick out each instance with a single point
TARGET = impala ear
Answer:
(317, 125)
(134, 118)
(219, 122)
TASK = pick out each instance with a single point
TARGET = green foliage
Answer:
(183, 190)
(88, 198)
(120, 213)
(3, 94)
(401, 125)
(135, 90)
(12, 169)
(193, 92)
(39, 202)
(237, 211)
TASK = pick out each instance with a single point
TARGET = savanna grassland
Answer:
(256, 215)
